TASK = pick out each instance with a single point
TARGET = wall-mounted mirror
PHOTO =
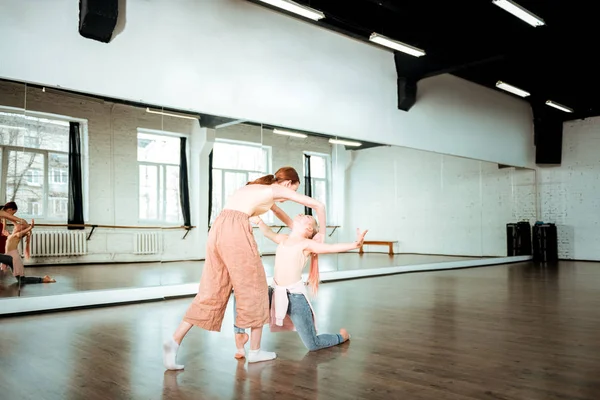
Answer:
(140, 229)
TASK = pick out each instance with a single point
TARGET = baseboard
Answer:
(100, 298)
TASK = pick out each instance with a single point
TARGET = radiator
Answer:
(57, 243)
(146, 243)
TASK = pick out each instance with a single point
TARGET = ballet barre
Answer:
(94, 226)
(285, 226)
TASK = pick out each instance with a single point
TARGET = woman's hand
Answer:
(255, 220)
(360, 237)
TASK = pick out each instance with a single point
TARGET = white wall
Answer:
(436, 204)
(569, 193)
(233, 58)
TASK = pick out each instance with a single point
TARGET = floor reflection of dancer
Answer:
(12, 250)
(7, 212)
(233, 261)
(291, 308)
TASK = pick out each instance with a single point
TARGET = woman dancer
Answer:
(291, 308)
(8, 211)
(12, 244)
(232, 261)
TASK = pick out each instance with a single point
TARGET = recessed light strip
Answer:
(512, 89)
(296, 8)
(344, 142)
(169, 114)
(396, 45)
(287, 133)
(519, 12)
(559, 106)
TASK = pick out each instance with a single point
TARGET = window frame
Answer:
(162, 171)
(268, 218)
(46, 200)
(327, 178)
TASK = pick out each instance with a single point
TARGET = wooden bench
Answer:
(389, 243)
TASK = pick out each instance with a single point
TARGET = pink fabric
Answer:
(280, 321)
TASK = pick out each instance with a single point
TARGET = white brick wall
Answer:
(570, 193)
(436, 204)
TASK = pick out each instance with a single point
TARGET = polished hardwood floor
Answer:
(516, 331)
(76, 278)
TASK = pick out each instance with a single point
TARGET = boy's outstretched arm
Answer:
(323, 248)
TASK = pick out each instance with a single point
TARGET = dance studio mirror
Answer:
(143, 232)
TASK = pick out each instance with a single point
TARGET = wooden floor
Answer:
(517, 332)
(76, 278)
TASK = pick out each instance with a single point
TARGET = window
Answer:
(32, 147)
(319, 172)
(158, 160)
(60, 176)
(235, 164)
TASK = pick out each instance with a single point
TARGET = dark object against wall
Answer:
(98, 18)
(184, 191)
(518, 239)
(75, 206)
(545, 243)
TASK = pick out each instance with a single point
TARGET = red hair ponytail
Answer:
(313, 275)
(28, 246)
(282, 174)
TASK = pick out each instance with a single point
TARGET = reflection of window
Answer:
(60, 207)
(158, 160)
(319, 172)
(34, 148)
(60, 176)
(33, 177)
(31, 142)
(33, 208)
(234, 164)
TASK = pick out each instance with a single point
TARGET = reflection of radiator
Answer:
(57, 243)
(146, 243)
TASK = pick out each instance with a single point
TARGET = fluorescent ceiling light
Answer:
(169, 114)
(559, 106)
(519, 12)
(512, 89)
(296, 8)
(286, 133)
(396, 45)
(344, 142)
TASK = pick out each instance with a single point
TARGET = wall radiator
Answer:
(57, 243)
(146, 243)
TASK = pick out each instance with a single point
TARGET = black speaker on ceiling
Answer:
(98, 18)
(548, 140)
(407, 93)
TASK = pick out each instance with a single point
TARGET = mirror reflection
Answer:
(123, 194)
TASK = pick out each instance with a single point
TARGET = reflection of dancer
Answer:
(12, 244)
(291, 309)
(232, 261)
(8, 211)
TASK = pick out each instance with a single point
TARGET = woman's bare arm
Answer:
(266, 230)
(283, 217)
(10, 217)
(283, 193)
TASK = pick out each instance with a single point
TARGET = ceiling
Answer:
(478, 41)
